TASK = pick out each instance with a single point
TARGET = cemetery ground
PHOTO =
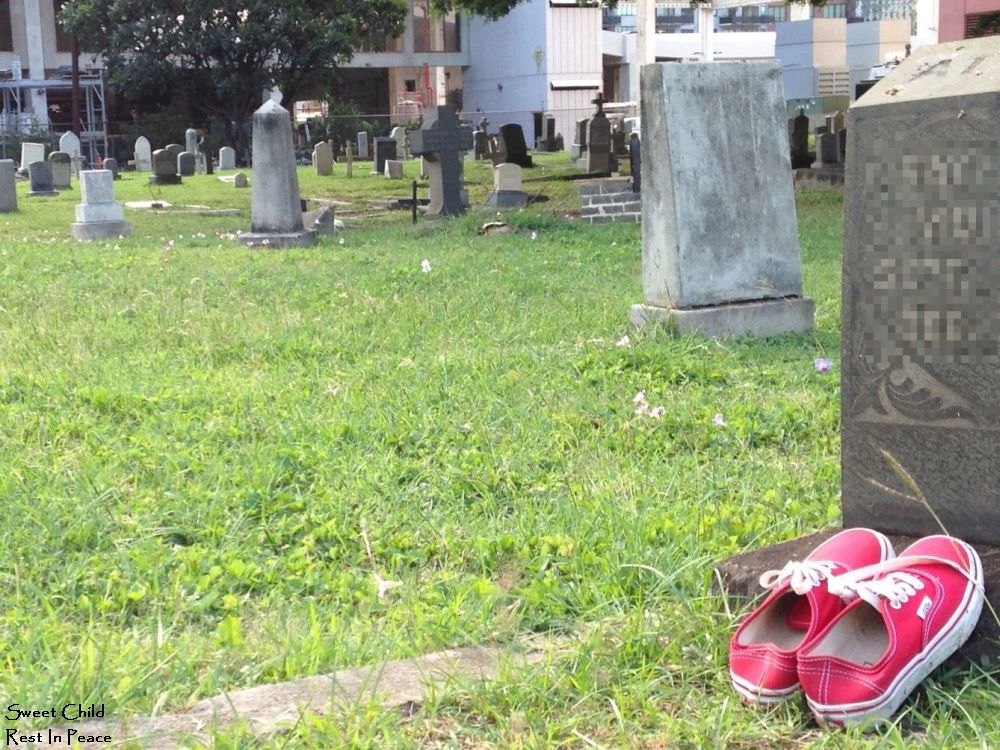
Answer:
(201, 441)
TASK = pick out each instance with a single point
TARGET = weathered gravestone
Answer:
(61, 167)
(548, 140)
(842, 145)
(275, 209)
(598, 157)
(441, 141)
(205, 148)
(709, 266)
(8, 192)
(579, 146)
(143, 155)
(227, 158)
(481, 139)
(398, 134)
(507, 187)
(514, 145)
(800, 141)
(349, 159)
(322, 159)
(40, 179)
(363, 146)
(111, 164)
(385, 148)
(164, 168)
(191, 141)
(99, 216)
(921, 308)
(240, 180)
(31, 152)
(70, 143)
(393, 169)
(827, 152)
(175, 150)
(186, 164)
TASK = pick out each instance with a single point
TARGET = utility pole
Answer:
(75, 92)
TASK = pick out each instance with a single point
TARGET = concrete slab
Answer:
(765, 318)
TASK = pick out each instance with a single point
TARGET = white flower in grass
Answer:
(534, 235)
(641, 405)
(341, 241)
(623, 341)
(384, 586)
(425, 265)
(658, 412)
(718, 420)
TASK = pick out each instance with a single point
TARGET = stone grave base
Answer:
(165, 179)
(99, 230)
(764, 318)
(41, 193)
(738, 578)
(506, 199)
(305, 238)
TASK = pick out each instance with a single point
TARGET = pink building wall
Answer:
(952, 13)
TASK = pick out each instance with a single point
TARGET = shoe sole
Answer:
(764, 696)
(947, 642)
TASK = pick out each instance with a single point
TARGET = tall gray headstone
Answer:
(598, 157)
(143, 155)
(323, 159)
(827, 151)
(276, 211)
(61, 167)
(227, 158)
(99, 216)
(191, 141)
(40, 179)
(442, 141)
(363, 145)
(921, 311)
(8, 192)
(175, 149)
(710, 266)
(164, 168)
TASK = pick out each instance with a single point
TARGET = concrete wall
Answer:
(504, 81)
(606, 201)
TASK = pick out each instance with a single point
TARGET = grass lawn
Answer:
(198, 438)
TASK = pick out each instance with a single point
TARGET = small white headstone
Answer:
(31, 152)
(70, 144)
(393, 169)
(507, 177)
(227, 158)
(143, 155)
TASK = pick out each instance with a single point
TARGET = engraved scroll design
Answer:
(917, 394)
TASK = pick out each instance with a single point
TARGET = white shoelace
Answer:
(895, 587)
(802, 576)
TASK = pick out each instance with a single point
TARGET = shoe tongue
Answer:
(800, 614)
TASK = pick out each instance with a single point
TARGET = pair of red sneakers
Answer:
(857, 628)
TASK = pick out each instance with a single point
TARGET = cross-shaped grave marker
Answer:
(442, 141)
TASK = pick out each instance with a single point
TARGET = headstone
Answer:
(175, 150)
(40, 179)
(70, 143)
(507, 187)
(921, 316)
(143, 155)
(363, 146)
(186, 163)
(111, 164)
(481, 139)
(99, 216)
(496, 150)
(441, 141)
(550, 133)
(393, 169)
(31, 152)
(827, 152)
(322, 159)
(709, 266)
(514, 145)
(276, 211)
(60, 166)
(320, 221)
(349, 159)
(205, 148)
(635, 161)
(191, 141)
(227, 158)
(8, 192)
(579, 147)
(598, 159)
(240, 180)
(385, 148)
(800, 141)
(164, 168)
(398, 134)
(842, 145)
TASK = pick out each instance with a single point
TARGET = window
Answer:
(433, 32)
(64, 41)
(6, 38)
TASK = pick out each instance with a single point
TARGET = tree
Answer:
(222, 54)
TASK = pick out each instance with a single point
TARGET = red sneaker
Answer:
(763, 650)
(910, 615)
